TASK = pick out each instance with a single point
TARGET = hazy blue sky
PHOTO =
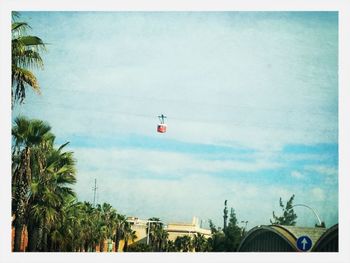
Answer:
(251, 100)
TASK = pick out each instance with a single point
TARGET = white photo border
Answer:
(343, 8)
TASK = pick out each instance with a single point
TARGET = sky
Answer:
(251, 100)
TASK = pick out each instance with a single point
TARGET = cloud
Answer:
(224, 79)
(202, 195)
(157, 162)
(325, 170)
(177, 186)
(215, 85)
(297, 175)
(318, 194)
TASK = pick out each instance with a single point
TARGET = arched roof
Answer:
(323, 243)
(290, 234)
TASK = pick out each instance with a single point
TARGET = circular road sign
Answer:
(304, 243)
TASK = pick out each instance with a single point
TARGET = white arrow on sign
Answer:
(304, 242)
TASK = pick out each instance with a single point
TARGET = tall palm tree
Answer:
(120, 225)
(25, 56)
(129, 235)
(183, 243)
(66, 234)
(106, 224)
(89, 227)
(199, 242)
(50, 189)
(27, 135)
(156, 233)
(170, 246)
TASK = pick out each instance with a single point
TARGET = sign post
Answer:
(304, 243)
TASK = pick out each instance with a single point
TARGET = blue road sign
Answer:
(304, 243)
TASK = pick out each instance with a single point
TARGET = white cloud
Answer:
(318, 194)
(203, 196)
(162, 162)
(297, 175)
(193, 191)
(224, 80)
(220, 85)
(325, 170)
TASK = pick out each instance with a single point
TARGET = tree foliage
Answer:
(25, 57)
(227, 240)
(288, 216)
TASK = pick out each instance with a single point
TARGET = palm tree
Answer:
(107, 218)
(25, 55)
(199, 242)
(162, 238)
(183, 243)
(90, 233)
(170, 247)
(128, 235)
(120, 225)
(66, 234)
(27, 136)
(49, 191)
(156, 233)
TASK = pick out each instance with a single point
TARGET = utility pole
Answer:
(95, 190)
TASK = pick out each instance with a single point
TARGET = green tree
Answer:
(139, 247)
(90, 233)
(50, 188)
(27, 136)
(120, 227)
(157, 235)
(25, 56)
(67, 234)
(233, 233)
(199, 242)
(106, 223)
(130, 235)
(183, 243)
(170, 246)
(216, 243)
(288, 216)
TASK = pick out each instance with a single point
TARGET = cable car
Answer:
(161, 126)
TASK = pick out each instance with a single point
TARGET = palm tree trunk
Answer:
(117, 240)
(86, 247)
(44, 241)
(18, 236)
(33, 237)
(125, 248)
(19, 221)
(102, 246)
(21, 198)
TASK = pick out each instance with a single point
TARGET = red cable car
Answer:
(161, 126)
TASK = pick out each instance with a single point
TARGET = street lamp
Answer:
(149, 226)
(244, 222)
(245, 226)
(201, 225)
(313, 211)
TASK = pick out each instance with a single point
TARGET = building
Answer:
(278, 238)
(140, 227)
(181, 229)
(328, 242)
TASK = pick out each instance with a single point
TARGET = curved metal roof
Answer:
(288, 233)
(327, 236)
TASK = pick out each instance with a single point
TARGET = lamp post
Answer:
(244, 222)
(312, 210)
(201, 225)
(245, 226)
(149, 226)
